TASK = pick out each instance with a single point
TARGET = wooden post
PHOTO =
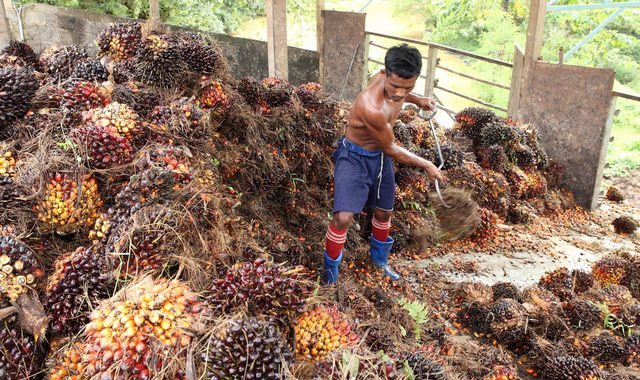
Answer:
(277, 38)
(432, 63)
(5, 31)
(154, 13)
(365, 55)
(516, 82)
(535, 33)
(535, 30)
(320, 39)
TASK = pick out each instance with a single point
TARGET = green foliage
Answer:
(218, 16)
(418, 311)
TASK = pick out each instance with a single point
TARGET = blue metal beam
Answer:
(578, 7)
(593, 33)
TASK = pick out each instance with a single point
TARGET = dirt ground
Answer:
(526, 252)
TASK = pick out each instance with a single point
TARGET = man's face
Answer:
(397, 88)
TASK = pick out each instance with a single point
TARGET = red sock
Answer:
(335, 241)
(380, 230)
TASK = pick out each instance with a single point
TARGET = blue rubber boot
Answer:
(330, 272)
(380, 256)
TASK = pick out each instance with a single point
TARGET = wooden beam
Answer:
(277, 38)
(535, 29)
(432, 64)
(319, 38)
(5, 31)
(516, 82)
(154, 13)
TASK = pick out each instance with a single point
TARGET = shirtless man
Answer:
(364, 177)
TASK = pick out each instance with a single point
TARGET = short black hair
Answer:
(404, 61)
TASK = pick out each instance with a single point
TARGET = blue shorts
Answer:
(363, 179)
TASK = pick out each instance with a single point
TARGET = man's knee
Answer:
(382, 215)
(342, 220)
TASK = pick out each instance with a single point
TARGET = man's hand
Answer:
(427, 104)
(433, 172)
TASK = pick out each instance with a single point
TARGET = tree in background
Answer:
(217, 16)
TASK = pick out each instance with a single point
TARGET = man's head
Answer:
(402, 65)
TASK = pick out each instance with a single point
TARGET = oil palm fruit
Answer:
(18, 86)
(70, 204)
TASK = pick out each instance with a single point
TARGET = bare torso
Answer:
(371, 98)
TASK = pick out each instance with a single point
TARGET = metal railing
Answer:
(433, 65)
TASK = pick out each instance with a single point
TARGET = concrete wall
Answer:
(48, 26)
(572, 106)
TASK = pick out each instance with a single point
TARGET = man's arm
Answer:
(382, 132)
(425, 103)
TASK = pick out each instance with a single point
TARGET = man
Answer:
(364, 176)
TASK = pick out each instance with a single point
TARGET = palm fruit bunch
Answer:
(632, 349)
(494, 158)
(135, 335)
(251, 90)
(502, 290)
(276, 92)
(402, 134)
(582, 281)
(91, 70)
(476, 317)
(472, 121)
(140, 98)
(79, 281)
(171, 162)
(23, 51)
(614, 195)
(536, 184)
(145, 242)
(120, 41)
(105, 146)
(554, 173)
(123, 72)
(428, 141)
(502, 373)
(525, 158)
(69, 365)
(119, 116)
(494, 193)
(518, 181)
(558, 282)
(506, 314)
(101, 228)
(422, 366)
(7, 60)
(310, 95)
(496, 133)
(61, 63)
(19, 268)
(265, 287)
(201, 55)
(486, 227)
(320, 331)
(69, 206)
(158, 62)
(17, 88)
(7, 160)
(630, 314)
(80, 95)
(582, 314)
(624, 225)
(417, 131)
(19, 354)
(610, 270)
(631, 278)
(566, 367)
(247, 349)
(606, 348)
(453, 157)
(212, 96)
(615, 297)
